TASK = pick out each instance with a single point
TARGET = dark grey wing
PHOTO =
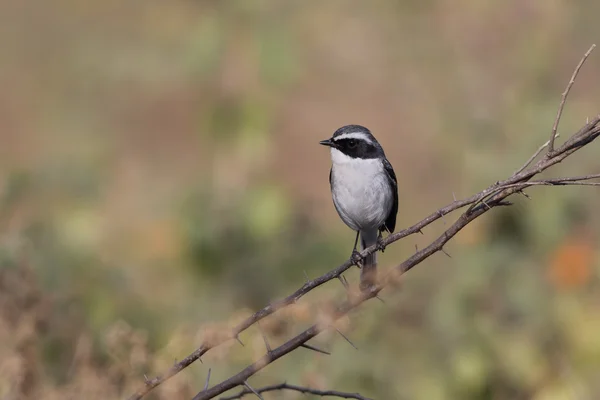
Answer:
(330, 170)
(390, 222)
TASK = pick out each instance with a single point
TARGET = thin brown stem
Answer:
(295, 388)
(563, 98)
(533, 157)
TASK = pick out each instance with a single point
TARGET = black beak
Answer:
(327, 142)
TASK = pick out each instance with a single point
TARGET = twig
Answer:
(572, 178)
(301, 389)
(573, 181)
(533, 157)
(563, 99)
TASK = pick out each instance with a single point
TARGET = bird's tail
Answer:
(368, 274)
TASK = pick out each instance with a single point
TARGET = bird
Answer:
(364, 189)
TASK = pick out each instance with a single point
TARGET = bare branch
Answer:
(301, 389)
(310, 285)
(489, 198)
(563, 99)
(495, 195)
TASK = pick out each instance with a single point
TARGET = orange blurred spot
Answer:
(570, 265)
(160, 239)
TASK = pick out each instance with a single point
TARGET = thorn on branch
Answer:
(146, 379)
(250, 388)
(344, 336)
(344, 281)
(207, 381)
(522, 193)
(267, 345)
(445, 252)
(237, 337)
(309, 347)
(486, 204)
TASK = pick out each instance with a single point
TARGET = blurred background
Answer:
(161, 178)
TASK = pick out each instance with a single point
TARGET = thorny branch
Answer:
(479, 203)
(301, 389)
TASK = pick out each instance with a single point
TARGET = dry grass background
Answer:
(160, 176)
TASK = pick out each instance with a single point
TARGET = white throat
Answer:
(339, 158)
(344, 164)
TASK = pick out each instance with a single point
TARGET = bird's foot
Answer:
(356, 258)
(380, 244)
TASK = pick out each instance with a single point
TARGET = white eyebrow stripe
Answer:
(354, 135)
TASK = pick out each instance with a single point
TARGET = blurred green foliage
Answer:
(160, 175)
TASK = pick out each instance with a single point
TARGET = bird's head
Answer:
(352, 142)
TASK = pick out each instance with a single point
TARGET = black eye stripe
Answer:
(349, 142)
(357, 147)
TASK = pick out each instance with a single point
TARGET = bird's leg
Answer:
(356, 257)
(380, 245)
